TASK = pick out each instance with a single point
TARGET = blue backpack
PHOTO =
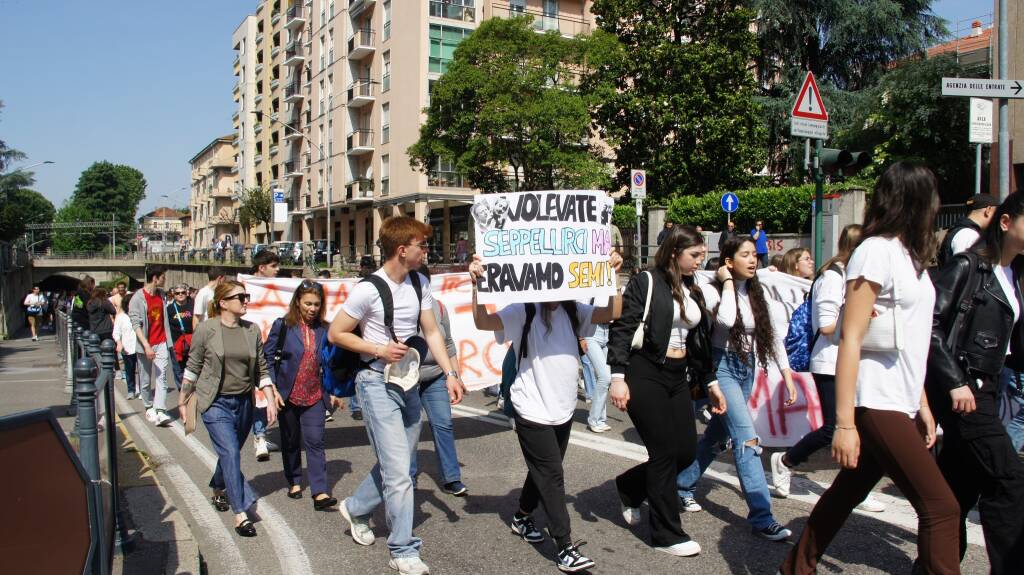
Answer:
(801, 336)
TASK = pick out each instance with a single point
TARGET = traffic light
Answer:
(843, 162)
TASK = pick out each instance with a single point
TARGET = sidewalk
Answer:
(33, 377)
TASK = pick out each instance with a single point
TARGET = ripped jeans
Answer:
(735, 379)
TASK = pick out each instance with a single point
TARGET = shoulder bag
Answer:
(641, 330)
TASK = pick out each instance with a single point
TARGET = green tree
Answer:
(110, 189)
(71, 239)
(510, 99)
(256, 206)
(676, 94)
(21, 207)
(905, 117)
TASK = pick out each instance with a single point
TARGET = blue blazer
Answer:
(283, 376)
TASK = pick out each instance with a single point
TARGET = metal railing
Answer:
(562, 23)
(90, 255)
(452, 11)
(949, 214)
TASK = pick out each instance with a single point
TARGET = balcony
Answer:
(259, 38)
(291, 170)
(360, 93)
(293, 93)
(273, 150)
(360, 44)
(293, 54)
(357, 7)
(257, 159)
(257, 128)
(436, 179)
(296, 19)
(359, 142)
(292, 132)
(275, 18)
(439, 9)
(274, 84)
(259, 68)
(359, 191)
(275, 51)
(237, 64)
(258, 99)
(564, 24)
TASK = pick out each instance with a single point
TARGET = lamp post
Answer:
(323, 158)
(25, 169)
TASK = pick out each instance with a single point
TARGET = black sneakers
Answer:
(570, 560)
(774, 532)
(524, 527)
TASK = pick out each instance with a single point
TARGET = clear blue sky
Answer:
(137, 82)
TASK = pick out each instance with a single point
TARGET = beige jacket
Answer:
(206, 360)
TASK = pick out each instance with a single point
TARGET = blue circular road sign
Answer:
(730, 202)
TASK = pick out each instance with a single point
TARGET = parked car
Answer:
(257, 248)
(289, 252)
(319, 249)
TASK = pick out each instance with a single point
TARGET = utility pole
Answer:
(1004, 103)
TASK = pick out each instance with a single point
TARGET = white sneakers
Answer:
(362, 534)
(690, 505)
(871, 505)
(600, 428)
(162, 419)
(631, 515)
(151, 414)
(262, 451)
(682, 549)
(409, 566)
(781, 475)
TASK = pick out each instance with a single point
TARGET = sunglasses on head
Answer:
(310, 284)
(241, 297)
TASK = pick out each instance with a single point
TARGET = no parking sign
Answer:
(638, 184)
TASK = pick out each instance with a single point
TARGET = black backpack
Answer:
(945, 253)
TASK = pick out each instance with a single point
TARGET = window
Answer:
(444, 175)
(443, 40)
(518, 6)
(387, 19)
(430, 89)
(330, 89)
(330, 46)
(330, 138)
(320, 109)
(385, 174)
(453, 9)
(385, 123)
(386, 78)
(550, 20)
(322, 53)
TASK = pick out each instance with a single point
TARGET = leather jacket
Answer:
(659, 324)
(974, 347)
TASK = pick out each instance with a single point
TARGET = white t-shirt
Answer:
(964, 239)
(739, 303)
(124, 333)
(893, 380)
(202, 302)
(829, 291)
(544, 391)
(364, 305)
(1004, 275)
(33, 299)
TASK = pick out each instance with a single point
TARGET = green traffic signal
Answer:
(843, 162)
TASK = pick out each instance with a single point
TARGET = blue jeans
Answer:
(227, 421)
(177, 368)
(392, 419)
(353, 404)
(1015, 427)
(129, 361)
(588, 377)
(597, 356)
(735, 380)
(434, 397)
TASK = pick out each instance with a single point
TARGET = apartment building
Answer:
(213, 204)
(341, 86)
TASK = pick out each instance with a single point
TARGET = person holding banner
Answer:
(386, 386)
(225, 367)
(293, 351)
(746, 335)
(543, 396)
(652, 381)
(884, 425)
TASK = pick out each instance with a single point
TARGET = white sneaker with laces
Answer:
(690, 505)
(600, 428)
(360, 528)
(681, 549)
(781, 475)
(151, 414)
(871, 505)
(162, 419)
(260, 445)
(631, 515)
(409, 565)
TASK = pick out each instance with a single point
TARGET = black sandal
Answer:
(220, 501)
(325, 503)
(246, 529)
(295, 494)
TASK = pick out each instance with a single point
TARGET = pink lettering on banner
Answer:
(777, 424)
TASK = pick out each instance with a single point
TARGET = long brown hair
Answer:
(791, 259)
(219, 293)
(849, 239)
(294, 315)
(764, 333)
(678, 239)
(904, 205)
(98, 295)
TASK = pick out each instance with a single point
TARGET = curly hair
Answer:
(764, 333)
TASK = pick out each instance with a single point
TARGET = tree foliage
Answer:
(510, 99)
(105, 189)
(676, 93)
(256, 206)
(22, 207)
(74, 240)
(905, 117)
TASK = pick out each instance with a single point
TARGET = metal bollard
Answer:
(108, 353)
(92, 344)
(88, 446)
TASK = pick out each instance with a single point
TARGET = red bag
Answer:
(181, 347)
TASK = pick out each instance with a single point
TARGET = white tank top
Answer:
(681, 326)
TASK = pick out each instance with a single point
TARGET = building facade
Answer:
(341, 86)
(213, 200)
(163, 221)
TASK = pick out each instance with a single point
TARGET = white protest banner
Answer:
(544, 246)
(480, 356)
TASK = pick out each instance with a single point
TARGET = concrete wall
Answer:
(14, 287)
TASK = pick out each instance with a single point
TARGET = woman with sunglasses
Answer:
(179, 319)
(293, 356)
(226, 364)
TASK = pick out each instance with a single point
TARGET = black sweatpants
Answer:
(662, 412)
(981, 467)
(543, 449)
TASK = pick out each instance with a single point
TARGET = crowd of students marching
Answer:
(898, 349)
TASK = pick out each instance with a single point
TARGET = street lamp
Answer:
(323, 158)
(25, 169)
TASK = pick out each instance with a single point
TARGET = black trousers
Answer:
(543, 449)
(982, 468)
(662, 412)
(821, 437)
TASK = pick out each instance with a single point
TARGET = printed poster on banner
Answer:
(544, 246)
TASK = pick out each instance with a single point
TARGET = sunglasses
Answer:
(242, 298)
(311, 285)
(179, 292)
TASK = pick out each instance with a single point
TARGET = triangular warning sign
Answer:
(808, 104)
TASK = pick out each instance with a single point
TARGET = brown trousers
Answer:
(890, 445)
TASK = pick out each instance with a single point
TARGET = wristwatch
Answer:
(452, 373)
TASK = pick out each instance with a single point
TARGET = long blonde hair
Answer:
(219, 293)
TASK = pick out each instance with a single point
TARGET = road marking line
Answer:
(197, 503)
(898, 511)
(287, 546)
